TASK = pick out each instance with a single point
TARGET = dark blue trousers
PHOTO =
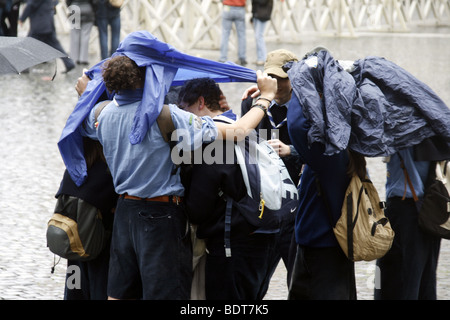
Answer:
(284, 249)
(151, 252)
(322, 274)
(92, 278)
(408, 270)
(243, 275)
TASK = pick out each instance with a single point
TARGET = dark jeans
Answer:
(241, 276)
(322, 274)
(151, 252)
(408, 270)
(13, 17)
(284, 249)
(102, 24)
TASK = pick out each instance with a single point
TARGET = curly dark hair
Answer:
(122, 73)
(204, 87)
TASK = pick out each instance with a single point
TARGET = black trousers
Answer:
(408, 270)
(322, 274)
(242, 276)
(87, 280)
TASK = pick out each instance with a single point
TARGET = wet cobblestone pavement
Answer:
(33, 112)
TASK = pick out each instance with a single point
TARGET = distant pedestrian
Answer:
(13, 18)
(80, 31)
(42, 25)
(6, 7)
(233, 12)
(107, 15)
(261, 13)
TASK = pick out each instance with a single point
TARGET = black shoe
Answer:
(242, 62)
(68, 69)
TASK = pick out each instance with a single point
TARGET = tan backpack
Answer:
(363, 231)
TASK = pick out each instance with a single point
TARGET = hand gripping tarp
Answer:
(165, 67)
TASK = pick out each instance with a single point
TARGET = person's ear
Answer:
(201, 103)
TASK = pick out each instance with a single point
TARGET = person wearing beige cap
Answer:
(274, 125)
(276, 60)
(274, 129)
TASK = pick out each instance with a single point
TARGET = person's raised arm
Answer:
(241, 128)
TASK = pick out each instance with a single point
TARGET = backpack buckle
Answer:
(261, 207)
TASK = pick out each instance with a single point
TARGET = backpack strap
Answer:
(228, 210)
(165, 123)
(352, 221)
(407, 180)
(100, 109)
(227, 235)
(349, 213)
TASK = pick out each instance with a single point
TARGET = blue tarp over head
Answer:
(165, 66)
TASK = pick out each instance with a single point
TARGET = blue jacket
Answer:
(313, 227)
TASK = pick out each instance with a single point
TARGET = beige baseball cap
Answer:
(275, 61)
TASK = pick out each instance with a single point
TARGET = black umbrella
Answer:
(20, 53)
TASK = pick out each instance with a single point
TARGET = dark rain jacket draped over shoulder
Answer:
(376, 109)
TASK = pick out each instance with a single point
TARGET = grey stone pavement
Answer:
(33, 112)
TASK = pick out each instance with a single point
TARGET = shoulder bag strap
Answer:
(100, 108)
(407, 180)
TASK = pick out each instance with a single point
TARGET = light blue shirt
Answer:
(417, 172)
(145, 169)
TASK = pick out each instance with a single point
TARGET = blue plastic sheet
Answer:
(165, 66)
